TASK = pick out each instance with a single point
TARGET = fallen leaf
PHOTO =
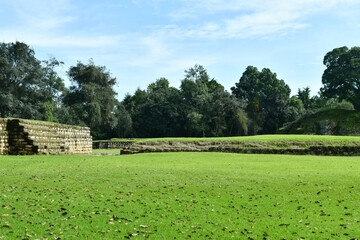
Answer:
(284, 224)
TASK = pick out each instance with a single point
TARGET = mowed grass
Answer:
(179, 195)
(113, 151)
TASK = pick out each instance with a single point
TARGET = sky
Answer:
(140, 41)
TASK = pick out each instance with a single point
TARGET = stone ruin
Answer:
(25, 137)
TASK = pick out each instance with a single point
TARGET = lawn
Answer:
(111, 151)
(179, 195)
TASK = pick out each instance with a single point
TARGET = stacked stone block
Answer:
(3, 137)
(34, 137)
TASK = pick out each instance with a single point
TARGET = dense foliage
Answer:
(28, 87)
(332, 121)
(201, 107)
(267, 99)
(259, 103)
(341, 77)
(91, 98)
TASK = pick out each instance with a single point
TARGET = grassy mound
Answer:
(262, 144)
(258, 138)
(329, 122)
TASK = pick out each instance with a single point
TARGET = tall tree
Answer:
(208, 109)
(266, 97)
(27, 88)
(156, 111)
(341, 77)
(54, 87)
(295, 109)
(124, 122)
(196, 96)
(163, 109)
(91, 98)
(134, 105)
(304, 96)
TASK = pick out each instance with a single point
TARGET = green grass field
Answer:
(179, 195)
(112, 151)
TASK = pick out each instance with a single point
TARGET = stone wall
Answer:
(23, 137)
(112, 144)
(3, 137)
(276, 147)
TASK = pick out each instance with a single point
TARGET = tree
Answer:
(196, 90)
(91, 98)
(208, 109)
(321, 103)
(134, 105)
(267, 99)
(156, 111)
(54, 87)
(234, 119)
(28, 88)
(341, 77)
(295, 109)
(124, 122)
(304, 96)
(162, 110)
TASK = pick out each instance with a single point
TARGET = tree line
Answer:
(259, 103)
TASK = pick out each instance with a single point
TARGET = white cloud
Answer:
(44, 39)
(239, 19)
(213, 6)
(148, 50)
(43, 15)
(249, 18)
(47, 24)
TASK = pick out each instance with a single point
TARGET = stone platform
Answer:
(25, 137)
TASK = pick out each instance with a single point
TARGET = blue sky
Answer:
(140, 41)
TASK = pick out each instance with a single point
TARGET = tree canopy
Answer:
(28, 87)
(91, 98)
(201, 107)
(341, 77)
(267, 98)
(209, 109)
